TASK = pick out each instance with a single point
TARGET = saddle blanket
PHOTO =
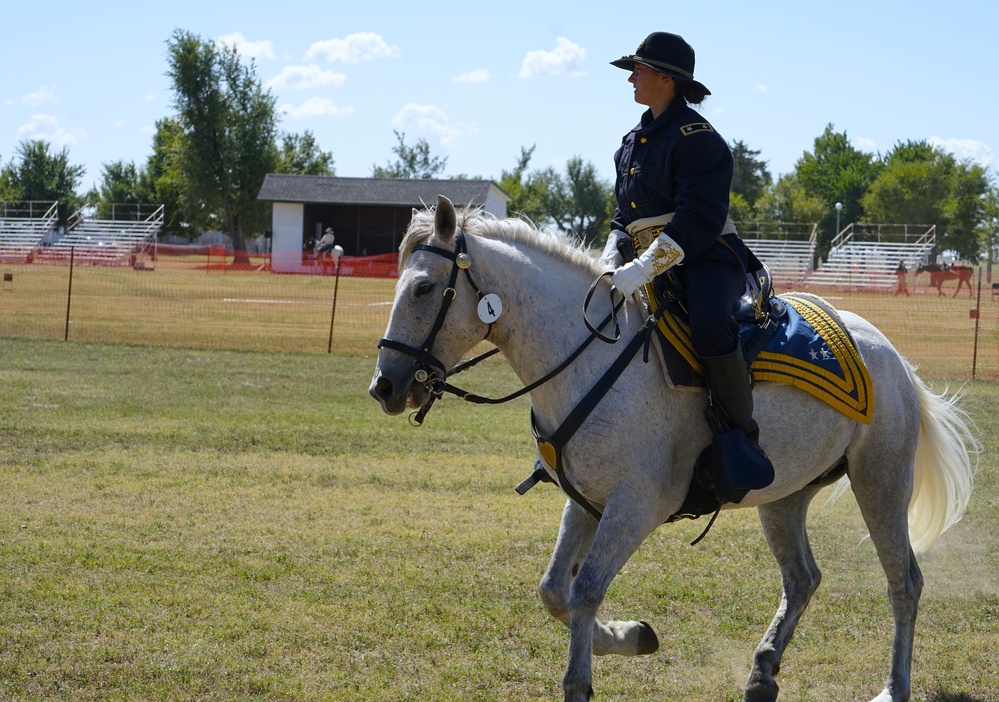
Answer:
(810, 350)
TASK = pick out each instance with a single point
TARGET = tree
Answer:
(581, 202)
(39, 174)
(787, 201)
(921, 184)
(411, 162)
(966, 211)
(229, 127)
(990, 227)
(163, 178)
(577, 201)
(299, 154)
(836, 172)
(912, 188)
(121, 184)
(750, 177)
(527, 192)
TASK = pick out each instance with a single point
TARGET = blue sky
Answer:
(478, 81)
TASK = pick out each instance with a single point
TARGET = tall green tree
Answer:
(990, 227)
(299, 154)
(527, 192)
(41, 174)
(229, 126)
(750, 177)
(581, 202)
(576, 200)
(787, 201)
(836, 171)
(411, 161)
(164, 178)
(121, 184)
(921, 184)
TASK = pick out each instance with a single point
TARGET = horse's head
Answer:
(434, 319)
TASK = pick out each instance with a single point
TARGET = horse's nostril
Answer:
(382, 388)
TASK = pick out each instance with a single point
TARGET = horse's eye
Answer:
(424, 289)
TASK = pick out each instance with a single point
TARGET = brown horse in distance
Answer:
(939, 275)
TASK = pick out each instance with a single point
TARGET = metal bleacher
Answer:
(787, 248)
(23, 228)
(109, 242)
(865, 256)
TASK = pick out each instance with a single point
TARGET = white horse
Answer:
(633, 457)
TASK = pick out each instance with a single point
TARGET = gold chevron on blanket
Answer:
(811, 351)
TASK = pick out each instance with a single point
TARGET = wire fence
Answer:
(193, 301)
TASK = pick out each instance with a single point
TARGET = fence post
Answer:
(978, 319)
(69, 292)
(336, 287)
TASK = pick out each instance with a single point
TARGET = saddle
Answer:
(759, 315)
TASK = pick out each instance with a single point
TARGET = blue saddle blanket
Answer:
(810, 349)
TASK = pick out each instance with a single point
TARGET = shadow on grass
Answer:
(941, 696)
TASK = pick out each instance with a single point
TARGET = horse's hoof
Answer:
(648, 642)
(761, 692)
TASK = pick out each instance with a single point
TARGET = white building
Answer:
(368, 215)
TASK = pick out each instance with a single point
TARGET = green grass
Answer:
(217, 525)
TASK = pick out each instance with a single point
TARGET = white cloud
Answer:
(118, 123)
(46, 127)
(479, 75)
(428, 118)
(39, 97)
(563, 60)
(263, 49)
(305, 78)
(315, 107)
(866, 145)
(151, 97)
(973, 149)
(760, 88)
(355, 48)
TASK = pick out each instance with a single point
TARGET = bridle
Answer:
(431, 372)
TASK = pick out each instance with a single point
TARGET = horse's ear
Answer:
(445, 219)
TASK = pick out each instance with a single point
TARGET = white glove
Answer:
(611, 257)
(663, 254)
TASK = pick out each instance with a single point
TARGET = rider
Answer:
(674, 172)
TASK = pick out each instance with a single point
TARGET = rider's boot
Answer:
(740, 465)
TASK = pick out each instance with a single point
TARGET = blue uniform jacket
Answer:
(676, 163)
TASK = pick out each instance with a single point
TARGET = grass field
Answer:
(181, 305)
(183, 524)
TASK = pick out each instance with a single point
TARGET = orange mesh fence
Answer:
(186, 297)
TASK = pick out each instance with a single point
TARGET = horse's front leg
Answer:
(627, 521)
(575, 537)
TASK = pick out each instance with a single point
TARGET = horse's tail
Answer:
(944, 469)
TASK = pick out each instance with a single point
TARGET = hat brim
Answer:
(628, 64)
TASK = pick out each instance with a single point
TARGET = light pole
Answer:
(839, 208)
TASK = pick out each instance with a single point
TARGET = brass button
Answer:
(643, 140)
(632, 171)
(633, 205)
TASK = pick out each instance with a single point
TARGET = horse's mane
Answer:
(475, 221)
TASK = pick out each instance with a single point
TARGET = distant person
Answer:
(901, 272)
(325, 245)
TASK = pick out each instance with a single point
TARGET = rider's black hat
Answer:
(666, 53)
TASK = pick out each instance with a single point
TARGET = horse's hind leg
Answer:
(784, 527)
(885, 513)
